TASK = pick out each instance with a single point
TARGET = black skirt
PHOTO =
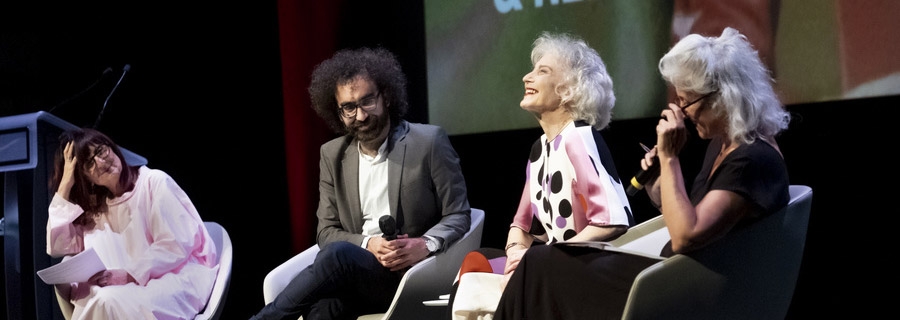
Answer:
(570, 282)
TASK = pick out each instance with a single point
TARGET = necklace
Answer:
(558, 131)
(721, 157)
(727, 149)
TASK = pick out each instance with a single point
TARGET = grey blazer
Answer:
(426, 188)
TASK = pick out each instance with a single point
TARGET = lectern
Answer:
(27, 145)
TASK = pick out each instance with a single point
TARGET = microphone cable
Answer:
(124, 71)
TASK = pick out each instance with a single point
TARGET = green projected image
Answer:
(477, 51)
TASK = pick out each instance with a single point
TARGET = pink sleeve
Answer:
(525, 213)
(587, 188)
(63, 237)
(177, 232)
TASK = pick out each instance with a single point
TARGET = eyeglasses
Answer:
(348, 110)
(101, 152)
(684, 107)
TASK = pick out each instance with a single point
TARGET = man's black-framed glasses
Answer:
(684, 107)
(348, 110)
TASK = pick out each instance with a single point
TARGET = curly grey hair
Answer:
(586, 89)
(731, 67)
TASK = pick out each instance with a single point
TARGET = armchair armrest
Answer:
(279, 277)
(654, 290)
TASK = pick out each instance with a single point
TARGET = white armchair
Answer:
(216, 301)
(426, 280)
(214, 306)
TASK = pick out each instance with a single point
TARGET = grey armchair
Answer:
(749, 274)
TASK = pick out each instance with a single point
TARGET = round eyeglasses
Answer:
(348, 110)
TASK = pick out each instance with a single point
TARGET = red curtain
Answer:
(308, 33)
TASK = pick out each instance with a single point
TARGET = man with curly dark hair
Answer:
(382, 166)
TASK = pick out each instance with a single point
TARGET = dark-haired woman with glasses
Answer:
(160, 260)
(726, 91)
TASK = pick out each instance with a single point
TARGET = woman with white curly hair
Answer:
(572, 190)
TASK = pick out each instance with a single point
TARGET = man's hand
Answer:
(398, 254)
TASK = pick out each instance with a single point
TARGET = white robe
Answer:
(155, 233)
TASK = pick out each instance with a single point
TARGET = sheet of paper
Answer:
(651, 243)
(602, 245)
(78, 268)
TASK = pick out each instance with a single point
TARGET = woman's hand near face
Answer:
(671, 134)
(68, 176)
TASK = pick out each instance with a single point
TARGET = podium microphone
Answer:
(388, 226)
(105, 72)
(124, 71)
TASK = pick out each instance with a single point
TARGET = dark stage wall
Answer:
(204, 101)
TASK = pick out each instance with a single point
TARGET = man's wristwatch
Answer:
(431, 244)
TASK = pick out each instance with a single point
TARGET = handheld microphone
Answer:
(642, 177)
(105, 72)
(124, 71)
(388, 226)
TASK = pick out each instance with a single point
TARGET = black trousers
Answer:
(344, 282)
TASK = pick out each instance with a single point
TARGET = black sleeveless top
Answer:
(755, 171)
